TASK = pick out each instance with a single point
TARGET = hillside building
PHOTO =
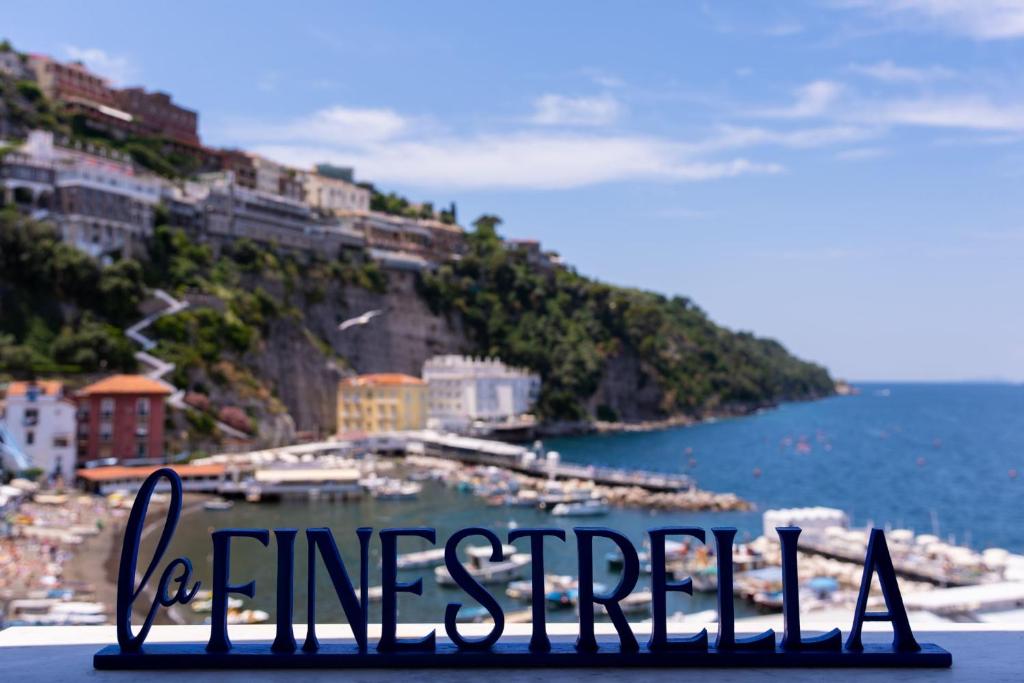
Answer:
(122, 417)
(232, 211)
(41, 421)
(381, 402)
(156, 114)
(95, 197)
(332, 191)
(462, 390)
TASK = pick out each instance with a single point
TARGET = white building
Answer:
(462, 390)
(98, 201)
(42, 423)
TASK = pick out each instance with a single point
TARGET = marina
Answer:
(334, 483)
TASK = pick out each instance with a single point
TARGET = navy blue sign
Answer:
(176, 585)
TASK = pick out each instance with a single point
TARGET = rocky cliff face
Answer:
(627, 389)
(302, 357)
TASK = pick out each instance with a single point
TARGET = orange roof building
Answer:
(126, 384)
(382, 402)
(122, 417)
(43, 387)
(382, 379)
(102, 479)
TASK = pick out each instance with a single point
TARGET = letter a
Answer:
(878, 560)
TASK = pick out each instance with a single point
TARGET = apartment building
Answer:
(463, 389)
(231, 211)
(40, 419)
(381, 402)
(157, 114)
(430, 240)
(122, 417)
(331, 190)
(71, 82)
(95, 197)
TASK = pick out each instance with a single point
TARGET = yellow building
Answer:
(382, 402)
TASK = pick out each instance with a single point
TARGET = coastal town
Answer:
(75, 449)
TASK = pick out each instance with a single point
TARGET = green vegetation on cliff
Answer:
(60, 311)
(569, 327)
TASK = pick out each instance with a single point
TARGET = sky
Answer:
(842, 175)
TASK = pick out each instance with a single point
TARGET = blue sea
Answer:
(937, 458)
(932, 457)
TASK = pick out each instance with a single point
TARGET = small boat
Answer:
(395, 490)
(218, 504)
(634, 603)
(559, 590)
(423, 558)
(207, 605)
(588, 508)
(248, 616)
(483, 570)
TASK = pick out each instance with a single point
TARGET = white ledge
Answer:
(981, 652)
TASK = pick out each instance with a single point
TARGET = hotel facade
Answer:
(381, 402)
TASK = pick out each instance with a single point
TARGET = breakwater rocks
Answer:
(694, 500)
(501, 486)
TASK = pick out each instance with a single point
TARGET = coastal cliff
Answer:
(259, 347)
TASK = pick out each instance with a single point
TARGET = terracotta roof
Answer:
(126, 384)
(118, 472)
(46, 387)
(381, 379)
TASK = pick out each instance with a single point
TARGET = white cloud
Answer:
(331, 126)
(523, 160)
(978, 19)
(560, 110)
(116, 68)
(812, 99)
(968, 112)
(889, 72)
(388, 147)
(738, 137)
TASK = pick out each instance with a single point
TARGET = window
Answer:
(106, 408)
(30, 438)
(105, 433)
(142, 407)
(60, 441)
(31, 417)
(140, 449)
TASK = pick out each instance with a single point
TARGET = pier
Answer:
(343, 469)
(472, 451)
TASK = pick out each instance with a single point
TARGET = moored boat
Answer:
(483, 570)
(588, 508)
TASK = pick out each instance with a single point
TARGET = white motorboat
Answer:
(423, 558)
(218, 504)
(396, 490)
(587, 508)
(483, 570)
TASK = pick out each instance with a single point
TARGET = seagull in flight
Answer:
(359, 320)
